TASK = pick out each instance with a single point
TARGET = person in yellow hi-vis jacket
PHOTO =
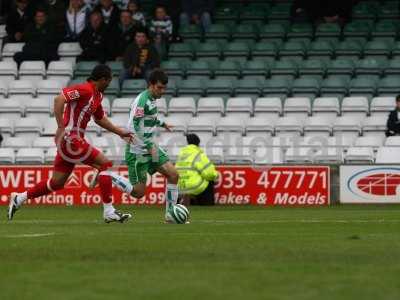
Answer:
(196, 174)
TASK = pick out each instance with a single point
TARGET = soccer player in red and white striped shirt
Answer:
(81, 103)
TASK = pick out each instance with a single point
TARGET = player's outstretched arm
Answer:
(108, 125)
(59, 103)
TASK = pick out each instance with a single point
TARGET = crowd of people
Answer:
(106, 30)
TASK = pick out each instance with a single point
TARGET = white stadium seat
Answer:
(299, 107)
(260, 125)
(299, 155)
(268, 155)
(184, 106)
(22, 88)
(106, 105)
(16, 143)
(162, 106)
(202, 124)
(11, 109)
(49, 127)
(268, 107)
(388, 155)
(374, 125)
(121, 106)
(318, 125)
(326, 106)
(8, 71)
(6, 127)
(392, 141)
(348, 126)
(29, 155)
(341, 141)
(239, 155)
(315, 142)
(210, 107)
(355, 107)
(69, 51)
(372, 141)
(43, 142)
(168, 140)
(358, 155)
(382, 106)
(7, 156)
(49, 88)
(60, 70)
(120, 121)
(102, 143)
(10, 49)
(289, 126)
(239, 107)
(28, 128)
(329, 155)
(231, 124)
(92, 130)
(179, 122)
(3, 90)
(50, 155)
(39, 108)
(215, 151)
(33, 71)
(3, 32)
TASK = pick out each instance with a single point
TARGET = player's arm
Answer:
(59, 103)
(105, 123)
(162, 124)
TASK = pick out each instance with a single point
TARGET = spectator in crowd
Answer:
(76, 17)
(41, 40)
(196, 174)
(110, 12)
(56, 15)
(91, 4)
(173, 8)
(140, 58)
(123, 34)
(94, 39)
(17, 19)
(197, 12)
(393, 122)
(161, 30)
(137, 15)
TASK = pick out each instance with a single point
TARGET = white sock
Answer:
(21, 198)
(108, 207)
(119, 181)
(171, 195)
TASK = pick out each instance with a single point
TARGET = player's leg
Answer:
(100, 162)
(171, 191)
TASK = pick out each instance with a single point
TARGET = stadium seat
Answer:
(220, 87)
(378, 48)
(3, 90)
(273, 31)
(239, 50)
(359, 155)
(239, 107)
(280, 11)
(39, 108)
(363, 85)
(121, 106)
(215, 151)
(43, 142)
(382, 105)
(173, 68)
(231, 125)
(162, 106)
(218, 31)
(16, 143)
(349, 49)
(284, 67)
(248, 88)
(49, 127)
(8, 71)
(385, 29)
(208, 50)
(358, 28)
(32, 70)
(392, 141)
(300, 30)
(29, 156)
(277, 86)
(388, 10)
(326, 30)
(190, 32)
(199, 68)
(364, 11)
(389, 86)
(227, 69)
(178, 121)
(11, 108)
(50, 155)
(238, 155)
(326, 106)
(22, 88)
(328, 155)
(113, 90)
(10, 49)
(7, 156)
(84, 68)
(312, 67)
(318, 126)
(355, 107)
(374, 125)
(133, 87)
(210, 107)
(264, 50)
(260, 126)
(28, 128)
(92, 130)
(371, 66)
(184, 106)
(347, 126)
(393, 67)
(257, 67)
(244, 31)
(69, 51)
(294, 49)
(289, 126)
(341, 66)
(268, 155)
(49, 88)
(372, 141)
(306, 87)
(202, 124)
(334, 85)
(388, 155)
(6, 127)
(268, 107)
(105, 103)
(299, 155)
(299, 107)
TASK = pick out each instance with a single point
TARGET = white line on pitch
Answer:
(28, 235)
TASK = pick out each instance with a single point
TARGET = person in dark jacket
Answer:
(197, 12)
(123, 34)
(41, 41)
(140, 58)
(393, 122)
(109, 11)
(17, 19)
(94, 39)
(76, 19)
(56, 12)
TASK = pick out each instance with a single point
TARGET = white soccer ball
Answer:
(179, 214)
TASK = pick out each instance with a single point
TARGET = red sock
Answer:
(105, 188)
(38, 190)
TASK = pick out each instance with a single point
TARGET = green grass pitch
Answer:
(339, 252)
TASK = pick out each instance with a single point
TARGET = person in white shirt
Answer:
(77, 18)
(137, 15)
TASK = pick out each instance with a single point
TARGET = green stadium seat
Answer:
(284, 67)
(385, 28)
(208, 50)
(302, 30)
(116, 67)
(312, 67)
(320, 49)
(363, 85)
(199, 68)
(334, 85)
(257, 67)
(393, 67)
(190, 32)
(297, 49)
(133, 87)
(277, 85)
(264, 49)
(244, 31)
(236, 49)
(220, 87)
(228, 69)
(273, 31)
(252, 15)
(226, 14)
(306, 86)
(359, 28)
(218, 31)
(389, 10)
(280, 11)
(389, 86)
(371, 66)
(113, 89)
(325, 30)
(173, 68)
(352, 48)
(84, 68)
(378, 48)
(248, 87)
(365, 10)
(342, 66)
(396, 50)
(191, 87)
(181, 50)
(171, 88)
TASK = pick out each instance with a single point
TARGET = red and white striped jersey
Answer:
(83, 101)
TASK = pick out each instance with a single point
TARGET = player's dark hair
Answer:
(99, 72)
(158, 75)
(397, 98)
(193, 139)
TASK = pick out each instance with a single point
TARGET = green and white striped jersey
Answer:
(143, 122)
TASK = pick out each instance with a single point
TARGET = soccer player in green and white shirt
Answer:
(143, 155)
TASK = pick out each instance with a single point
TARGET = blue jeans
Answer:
(205, 20)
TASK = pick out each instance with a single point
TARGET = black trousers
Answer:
(205, 198)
